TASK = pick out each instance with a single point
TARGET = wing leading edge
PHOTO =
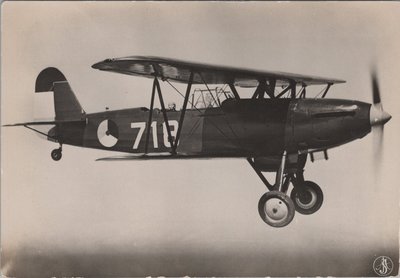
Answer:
(179, 71)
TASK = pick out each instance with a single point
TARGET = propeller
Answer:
(378, 117)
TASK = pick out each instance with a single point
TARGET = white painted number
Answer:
(154, 131)
(142, 126)
(174, 128)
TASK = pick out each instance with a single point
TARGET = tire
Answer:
(56, 154)
(276, 209)
(311, 201)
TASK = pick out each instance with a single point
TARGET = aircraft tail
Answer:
(66, 105)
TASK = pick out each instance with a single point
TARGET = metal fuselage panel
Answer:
(131, 127)
(206, 132)
(246, 127)
(326, 123)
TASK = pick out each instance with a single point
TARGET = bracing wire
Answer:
(203, 113)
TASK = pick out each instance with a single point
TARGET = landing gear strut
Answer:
(275, 207)
(56, 154)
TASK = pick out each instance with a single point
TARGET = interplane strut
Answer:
(156, 87)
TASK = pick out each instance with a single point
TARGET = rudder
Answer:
(66, 105)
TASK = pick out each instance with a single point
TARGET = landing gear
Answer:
(56, 154)
(307, 199)
(275, 207)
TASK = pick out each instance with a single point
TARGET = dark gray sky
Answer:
(203, 208)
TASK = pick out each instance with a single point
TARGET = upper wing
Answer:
(179, 71)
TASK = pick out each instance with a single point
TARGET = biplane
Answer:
(275, 128)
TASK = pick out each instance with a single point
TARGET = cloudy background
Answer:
(175, 218)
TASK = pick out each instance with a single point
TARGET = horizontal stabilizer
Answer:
(40, 123)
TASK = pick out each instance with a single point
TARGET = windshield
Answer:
(210, 97)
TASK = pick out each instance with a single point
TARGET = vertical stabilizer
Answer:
(66, 105)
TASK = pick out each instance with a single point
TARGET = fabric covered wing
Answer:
(162, 156)
(179, 71)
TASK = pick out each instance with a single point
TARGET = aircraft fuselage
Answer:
(246, 127)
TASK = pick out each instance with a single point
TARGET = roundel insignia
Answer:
(107, 133)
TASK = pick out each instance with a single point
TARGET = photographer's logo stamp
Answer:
(383, 266)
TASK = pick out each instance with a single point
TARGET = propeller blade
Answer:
(376, 94)
(378, 149)
(378, 118)
(377, 133)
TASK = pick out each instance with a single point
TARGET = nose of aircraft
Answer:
(378, 116)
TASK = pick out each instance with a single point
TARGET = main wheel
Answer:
(309, 199)
(276, 209)
(56, 154)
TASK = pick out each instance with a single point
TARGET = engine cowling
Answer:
(326, 123)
